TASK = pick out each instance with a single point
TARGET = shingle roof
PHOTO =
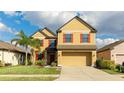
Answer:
(10, 47)
(88, 47)
(82, 21)
(46, 36)
(110, 46)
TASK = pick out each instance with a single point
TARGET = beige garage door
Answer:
(119, 58)
(76, 59)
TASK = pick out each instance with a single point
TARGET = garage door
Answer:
(76, 59)
(119, 58)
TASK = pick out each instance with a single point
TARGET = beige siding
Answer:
(118, 50)
(9, 57)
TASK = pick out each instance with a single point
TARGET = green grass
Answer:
(27, 78)
(28, 70)
(111, 71)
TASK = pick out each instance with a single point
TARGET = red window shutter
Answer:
(43, 56)
(89, 38)
(64, 39)
(48, 42)
(36, 55)
(72, 38)
(81, 36)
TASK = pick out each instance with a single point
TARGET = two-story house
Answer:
(48, 45)
(76, 44)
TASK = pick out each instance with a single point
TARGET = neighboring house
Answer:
(76, 44)
(11, 54)
(48, 45)
(113, 51)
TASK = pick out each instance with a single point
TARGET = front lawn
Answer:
(28, 70)
(111, 71)
(27, 78)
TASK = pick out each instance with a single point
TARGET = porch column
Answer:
(45, 56)
(59, 57)
(93, 58)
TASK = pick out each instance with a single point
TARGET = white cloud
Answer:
(48, 18)
(5, 28)
(102, 42)
(18, 21)
(12, 13)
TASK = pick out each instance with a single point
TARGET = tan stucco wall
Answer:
(76, 28)
(104, 55)
(39, 36)
(9, 57)
(47, 32)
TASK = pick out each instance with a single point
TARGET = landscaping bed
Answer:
(111, 71)
(28, 70)
(109, 67)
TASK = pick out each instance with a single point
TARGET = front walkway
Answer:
(86, 74)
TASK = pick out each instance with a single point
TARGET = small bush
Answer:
(118, 67)
(54, 64)
(1, 64)
(105, 64)
(8, 64)
(29, 62)
(98, 63)
(40, 63)
(122, 69)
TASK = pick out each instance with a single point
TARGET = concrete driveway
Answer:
(86, 74)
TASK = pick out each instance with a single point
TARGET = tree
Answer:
(25, 41)
(35, 43)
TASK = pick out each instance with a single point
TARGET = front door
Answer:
(52, 58)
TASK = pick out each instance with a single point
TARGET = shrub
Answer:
(98, 63)
(54, 64)
(29, 62)
(122, 69)
(1, 64)
(40, 63)
(118, 67)
(108, 64)
(105, 64)
(112, 66)
(8, 64)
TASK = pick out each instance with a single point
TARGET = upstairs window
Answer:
(52, 43)
(84, 38)
(68, 38)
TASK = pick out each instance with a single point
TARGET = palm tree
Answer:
(25, 41)
(35, 43)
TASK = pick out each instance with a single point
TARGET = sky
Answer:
(110, 25)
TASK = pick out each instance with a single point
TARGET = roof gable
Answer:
(110, 46)
(76, 23)
(48, 32)
(38, 35)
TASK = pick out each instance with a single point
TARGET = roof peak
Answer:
(80, 20)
